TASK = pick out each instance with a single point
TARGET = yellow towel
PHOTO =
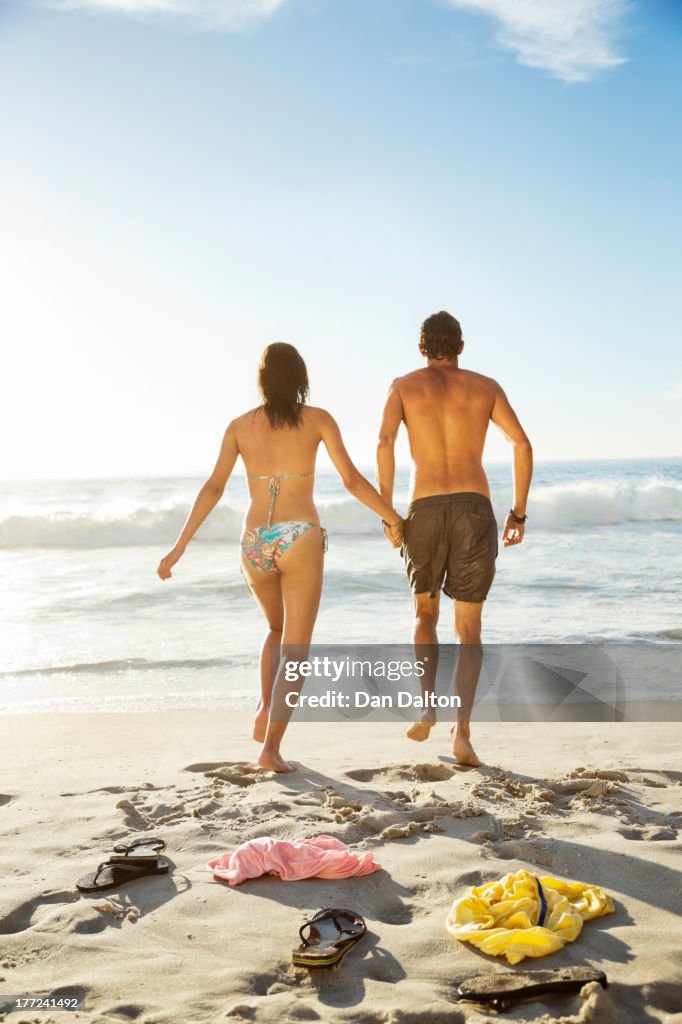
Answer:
(506, 917)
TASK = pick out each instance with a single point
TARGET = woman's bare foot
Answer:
(419, 731)
(462, 749)
(260, 724)
(274, 762)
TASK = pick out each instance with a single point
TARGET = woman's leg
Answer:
(301, 569)
(267, 591)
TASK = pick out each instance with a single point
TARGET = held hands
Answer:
(513, 532)
(394, 531)
(167, 563)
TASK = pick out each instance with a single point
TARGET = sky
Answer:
(184, 181)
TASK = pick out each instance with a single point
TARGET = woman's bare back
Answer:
(286, 452)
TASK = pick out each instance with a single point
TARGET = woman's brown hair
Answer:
(283, 384)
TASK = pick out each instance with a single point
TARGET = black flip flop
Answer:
(143, 849)
(500, 991)
(331, 933)
(112, 875)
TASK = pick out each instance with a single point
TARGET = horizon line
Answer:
(195, 474)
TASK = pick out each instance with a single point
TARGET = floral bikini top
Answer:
(274, 485)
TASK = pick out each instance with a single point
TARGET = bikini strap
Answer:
(281, 476)
(274, 487)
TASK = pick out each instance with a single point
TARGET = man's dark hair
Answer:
(441, 336)
(283, 384)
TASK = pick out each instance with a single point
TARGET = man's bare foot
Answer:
(464, 752)
(260, 725)
(274, 762)
(419, 731)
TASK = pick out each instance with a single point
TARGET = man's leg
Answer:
(468, 633)
(426, 611)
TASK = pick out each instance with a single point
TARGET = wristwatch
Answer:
(517, 519)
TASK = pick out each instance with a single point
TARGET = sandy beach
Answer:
(598, 803)
(343, 334)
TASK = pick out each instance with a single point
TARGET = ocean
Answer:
(88, 626)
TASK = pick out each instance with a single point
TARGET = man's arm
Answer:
(504, 417)
(391, 419)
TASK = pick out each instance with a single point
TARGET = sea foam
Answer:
(574, 504)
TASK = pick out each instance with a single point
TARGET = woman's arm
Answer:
(206, 500)
(354, 481)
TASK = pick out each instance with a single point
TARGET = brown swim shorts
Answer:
(450, 541)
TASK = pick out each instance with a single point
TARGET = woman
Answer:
(283, 544)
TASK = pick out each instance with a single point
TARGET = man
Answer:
(450, 534)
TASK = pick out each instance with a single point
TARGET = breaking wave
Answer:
(587, 503)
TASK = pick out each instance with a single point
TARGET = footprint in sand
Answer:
(143, 819)
(615, 793)
(5, 799)
(205, 801)
(271, 982)
(32, 912)
(583, 787)
(334, 805)
(408, 829)
(129, 1011)
(607, 774)
(341, 804)
(652, 834)
(242, 1011)
(144, 787)
(238, 773)
(398, 815)
(311, 798)
(532, 851)
(412, 772)
(497, 785)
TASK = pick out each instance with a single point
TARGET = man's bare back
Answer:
(446, 411)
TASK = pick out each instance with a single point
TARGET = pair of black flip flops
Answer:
(327, 937)
(137, 858)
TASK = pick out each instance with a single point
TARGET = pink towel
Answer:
(321, 857)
